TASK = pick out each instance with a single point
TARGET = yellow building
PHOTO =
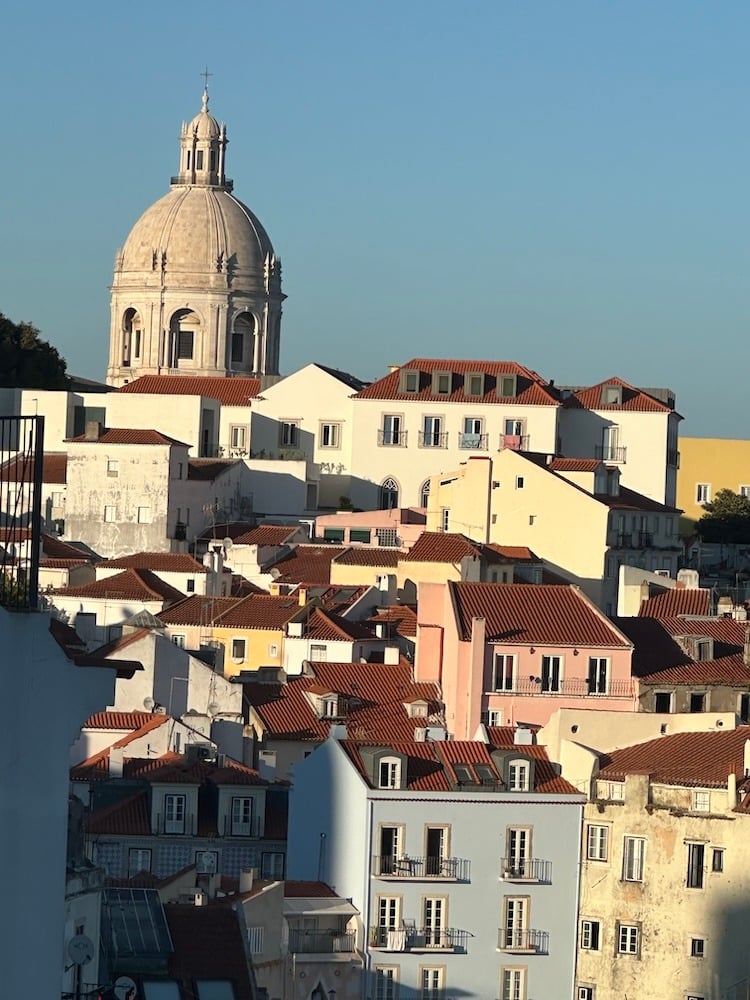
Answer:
(708, 465)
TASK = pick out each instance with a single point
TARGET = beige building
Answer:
(708, 465)
(197, 285)
(574, 513)
(664, 882)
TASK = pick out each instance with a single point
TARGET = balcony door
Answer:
(390, 849)
(551, 674)
(436, 850)
(518, 852)
(434, 921)
(516, 922)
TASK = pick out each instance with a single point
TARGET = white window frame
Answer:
(591, 934)
(110, 513)
(600, 664)
(557, 686)
(289, 432)
(513, 982)
(175, 813)
(239, 648)
(238, 437)
(241, 816)
(518, 851)
(273, 650)
(597, 842)
(329, 435)
(697, 946)
(702, 493)
(500, 672)
(392, 777)
(431, 982)
(179, 639)
(628, 939)
(143, 862)
(519, 775)
(113, 468)
(585, 992)
(386, 981)
(701, 800)
(144, 515)
(633, 858)
(468, 391)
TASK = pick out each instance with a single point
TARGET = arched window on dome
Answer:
(243, 341)
(389, 491)
(424, 493)
(184, 331)
(131, 337)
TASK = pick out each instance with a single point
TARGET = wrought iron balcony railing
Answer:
(433, 439)
(418, 939)
(610, 453)
(515, 442)
(526, 870)
(392, 439)
(473, 442)
(523, 939)
(303, 942)
(398, 867)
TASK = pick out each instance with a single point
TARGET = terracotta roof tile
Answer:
(370, 555)
(226, 529)
(197, 610)
(208, 945)
(325, 625)
(117, 720)
(630, 500)
(726, 670)
(655, 648)
(130, 585)
(208, 469)
(679, 601)
(128, 435)
(531, 390)
(170, 769)
(267, 534)
(515, 553)
(442, 547)
(129, 817)
(402, 616)
(631, 399)
(307, 564)
(533, 613)
(54, 548)
(337, 597)
(62, 563)
(575, 464)
(229, 391)
(704, 758)
(296, 889)
(260, 611)
(21, 469)
(164, 562)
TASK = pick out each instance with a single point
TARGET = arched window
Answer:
(424, 493)
(243, 340)
(389, 491)
(131, 336)
(184, 328)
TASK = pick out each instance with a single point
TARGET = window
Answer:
(585, 993)
(110, 514)
(238, 649)
(144, 515)
(387, 537)
(701, 801)
(513, 984)
(445, 519)
(519, 482)
(432, 979)
(392, 432)
(174, 813)
(391, 849)
(442, 383)
(238, 436)
(472, 437)
(57, 499)
(663, 701)
(698, 701)
(505, 672)
(190, 585)
(434, 921)
(519, 774)
(424, 494)
(633, 851)
(514, 932)
(744, 708)
(139, 860)
(590, 934)
(185, 345)
(717, 859)
(113, 467)
(360, 535)
(432, 432)
(237, 347)
(389, 773)
(611, 450)
(611, 395)
(330, 435)
(507, 386)
(318, 652)
(597, 843)
(628, 939)
(137, 351)
(615, 791)
(474, 385)
(702, 493)
(697, 947)
(333, 535)
(242, 814)
(273, 649)
(272, 865)
(409, 381)
(598, 676)
(389, 495)
(255, 940)
(289, 434)
(199, 159)
(551, 674)
(745, 491)
(437, 839)
(179, 640)
(517, 852)
(386, 982)
(696, 856)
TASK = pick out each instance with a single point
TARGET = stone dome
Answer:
(204, 125)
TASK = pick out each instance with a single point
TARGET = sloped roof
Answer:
(54, 548)
(515, 553)
(374, 695)
(128, 435)
(208, 469)
(575, 464)
(679, 601)
(66, 638)
(197, 610)
(345, 377)
(704, 758)
(117, 720)
(325, 625)
(236, 391)
(632, 398)
(630, 500)
(307, 564)
(19, 469)
(533, 613)
(297, 889)
(130, 816)
(169, 769)
(164, 562)
(531, 390)
(208, 945)
(259, 611)
(725, 670)
(370, 555)
(267, 534)
(655, 648)
(441, 546)
(130, 585)
(402, 616)
(62, 563)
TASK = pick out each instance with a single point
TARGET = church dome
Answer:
(204, 125)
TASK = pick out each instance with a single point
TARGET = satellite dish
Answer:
(148, 703)
(80, 949)
(125, 988)
(227, 543)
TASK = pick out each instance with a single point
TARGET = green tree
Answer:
(27, 361)
(727, 519)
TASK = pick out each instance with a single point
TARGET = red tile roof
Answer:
(208, 945)
(516, 553)
(121, 642)
(208, 469)
(575, 464)
(128, 435)
(226, 529)
(164, 562)
(632, 399)
(20, 469)
(130, 585)
(267, 534)
(655, 648)
(62, 563)
(259, 611)
(117, 720)
(243, 588)
(197, 610)
(307, 564)
(531, 389)
(53, 548)
(296, 889)
(130, 816)
(729, 671)
(703, 759)
(169, 769)
(370, 555)
(679, 601)
(337, 597)
(533, 613)
(442, 547)
(630, 500)
(325, 625)
(402, 616)
(229, 391)
(374, 696)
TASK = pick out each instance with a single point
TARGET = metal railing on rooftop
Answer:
(21, 470)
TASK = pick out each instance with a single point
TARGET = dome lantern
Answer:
(203, 143)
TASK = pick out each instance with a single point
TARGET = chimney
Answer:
(731, 791)
(247, 878)
(746, 647)
(115, 762)
(302, 596)
(93, 430)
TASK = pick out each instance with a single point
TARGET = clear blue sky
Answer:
(561, 184)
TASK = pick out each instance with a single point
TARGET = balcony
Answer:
(392, 439)
(418, 939)
(232, 828)
(610, 453)
(514, 442)
(526, 870)
(433, 439)
(388, 866)
(303, 942)
(522, 941)
(473, 442)
(645, 540)
(570, 687)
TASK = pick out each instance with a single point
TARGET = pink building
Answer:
(514, 653)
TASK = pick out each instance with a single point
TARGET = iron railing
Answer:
(523, 939)
(610, 453)
(433, 439)
(418, 938)
(473, 442)
(21, 474)
(574, 687)
(514, 442)
(303, 942)
(526, 870)
(392, 439)
(393, 866)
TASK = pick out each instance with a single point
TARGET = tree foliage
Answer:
(726, 519)
(27, 361)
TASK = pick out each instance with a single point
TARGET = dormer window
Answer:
(409, 380)
(506, 386)
(519, 776)
(463, 774)
(330, 706)
(416, 709)
(389, 772)
(612, 395)
(441, 383)
(474, 385)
